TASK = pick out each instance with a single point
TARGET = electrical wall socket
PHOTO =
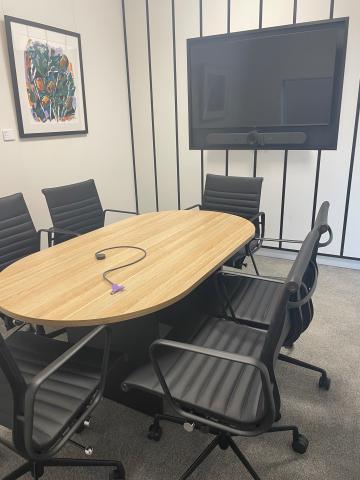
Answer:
(8, 134)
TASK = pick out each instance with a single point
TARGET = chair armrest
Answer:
(197, 205)
(261, 217)
(50, 233)
(232, 357)
(41, 377)
(329, 240)
(60, 230)
(283, 240)
(234, 272)
(119, 211)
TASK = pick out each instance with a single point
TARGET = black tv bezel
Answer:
(340, 62)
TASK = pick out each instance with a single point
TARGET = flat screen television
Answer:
(273, 88)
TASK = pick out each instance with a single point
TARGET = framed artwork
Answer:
(48, 79)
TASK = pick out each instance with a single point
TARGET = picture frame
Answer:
(48, 79)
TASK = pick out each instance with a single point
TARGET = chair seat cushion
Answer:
(251, 298)
(215, 387)
(62, 397)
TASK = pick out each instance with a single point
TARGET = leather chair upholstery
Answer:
(48, 388)
(223, 378)
(248, 297)
(18, 236)
(60, 398)
(236, 195)
(74, 208)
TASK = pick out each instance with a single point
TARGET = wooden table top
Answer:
(63, 285)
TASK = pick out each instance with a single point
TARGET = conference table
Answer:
(63, 286)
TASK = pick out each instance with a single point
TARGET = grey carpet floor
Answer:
(330, 420)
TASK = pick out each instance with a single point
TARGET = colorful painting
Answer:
(50, 83)
(47, 73)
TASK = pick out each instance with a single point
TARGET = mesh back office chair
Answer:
(18, 236)
(47, 391)
(238, 196)
(222, 381)
(74, 209)
(240, 288)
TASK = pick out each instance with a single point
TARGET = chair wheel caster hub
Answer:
(324, 382)
(155, 432)
(300, 444)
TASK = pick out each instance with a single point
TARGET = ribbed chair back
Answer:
(235, 195)
(18, 236)
(301, 311)
(75, 207)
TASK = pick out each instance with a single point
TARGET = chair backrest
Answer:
(293, 295)
(18, 236)
(75, 207)
(235, 195)
(302, 315)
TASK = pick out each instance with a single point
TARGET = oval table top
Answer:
(62, 286)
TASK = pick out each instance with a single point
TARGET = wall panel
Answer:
(163, 101)
(352, 242)
(301, 166)
(214, 22)
(270, 164)
(244, 15)
(335, 164)
(140, 97)
(105, 152)
(187, 25)
(289, 177)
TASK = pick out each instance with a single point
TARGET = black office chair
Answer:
(243, 291)
(75, 209)
(238, 196)
(48, 389)
(18, 236)
(222, 381)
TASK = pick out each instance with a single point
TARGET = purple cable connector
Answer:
(116, 288)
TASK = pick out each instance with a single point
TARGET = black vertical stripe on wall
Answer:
(286, 153)
(316, 186)
(176, 103)
(228, 31)
(202, 151)
(261, 7)
(332, 2)
(261, 2)
(351, 168)
(283, 197)
(152, 103)
(317, 176)
(130, 106)
(295, 11)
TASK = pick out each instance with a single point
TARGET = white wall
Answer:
(105, 153)
(301, 169)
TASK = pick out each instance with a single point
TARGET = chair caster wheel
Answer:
(154, 433)
(300, 444)
(116, 475)
(324, 382)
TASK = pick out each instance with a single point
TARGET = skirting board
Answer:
(332, 261)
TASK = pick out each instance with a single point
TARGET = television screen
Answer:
(270, 88)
